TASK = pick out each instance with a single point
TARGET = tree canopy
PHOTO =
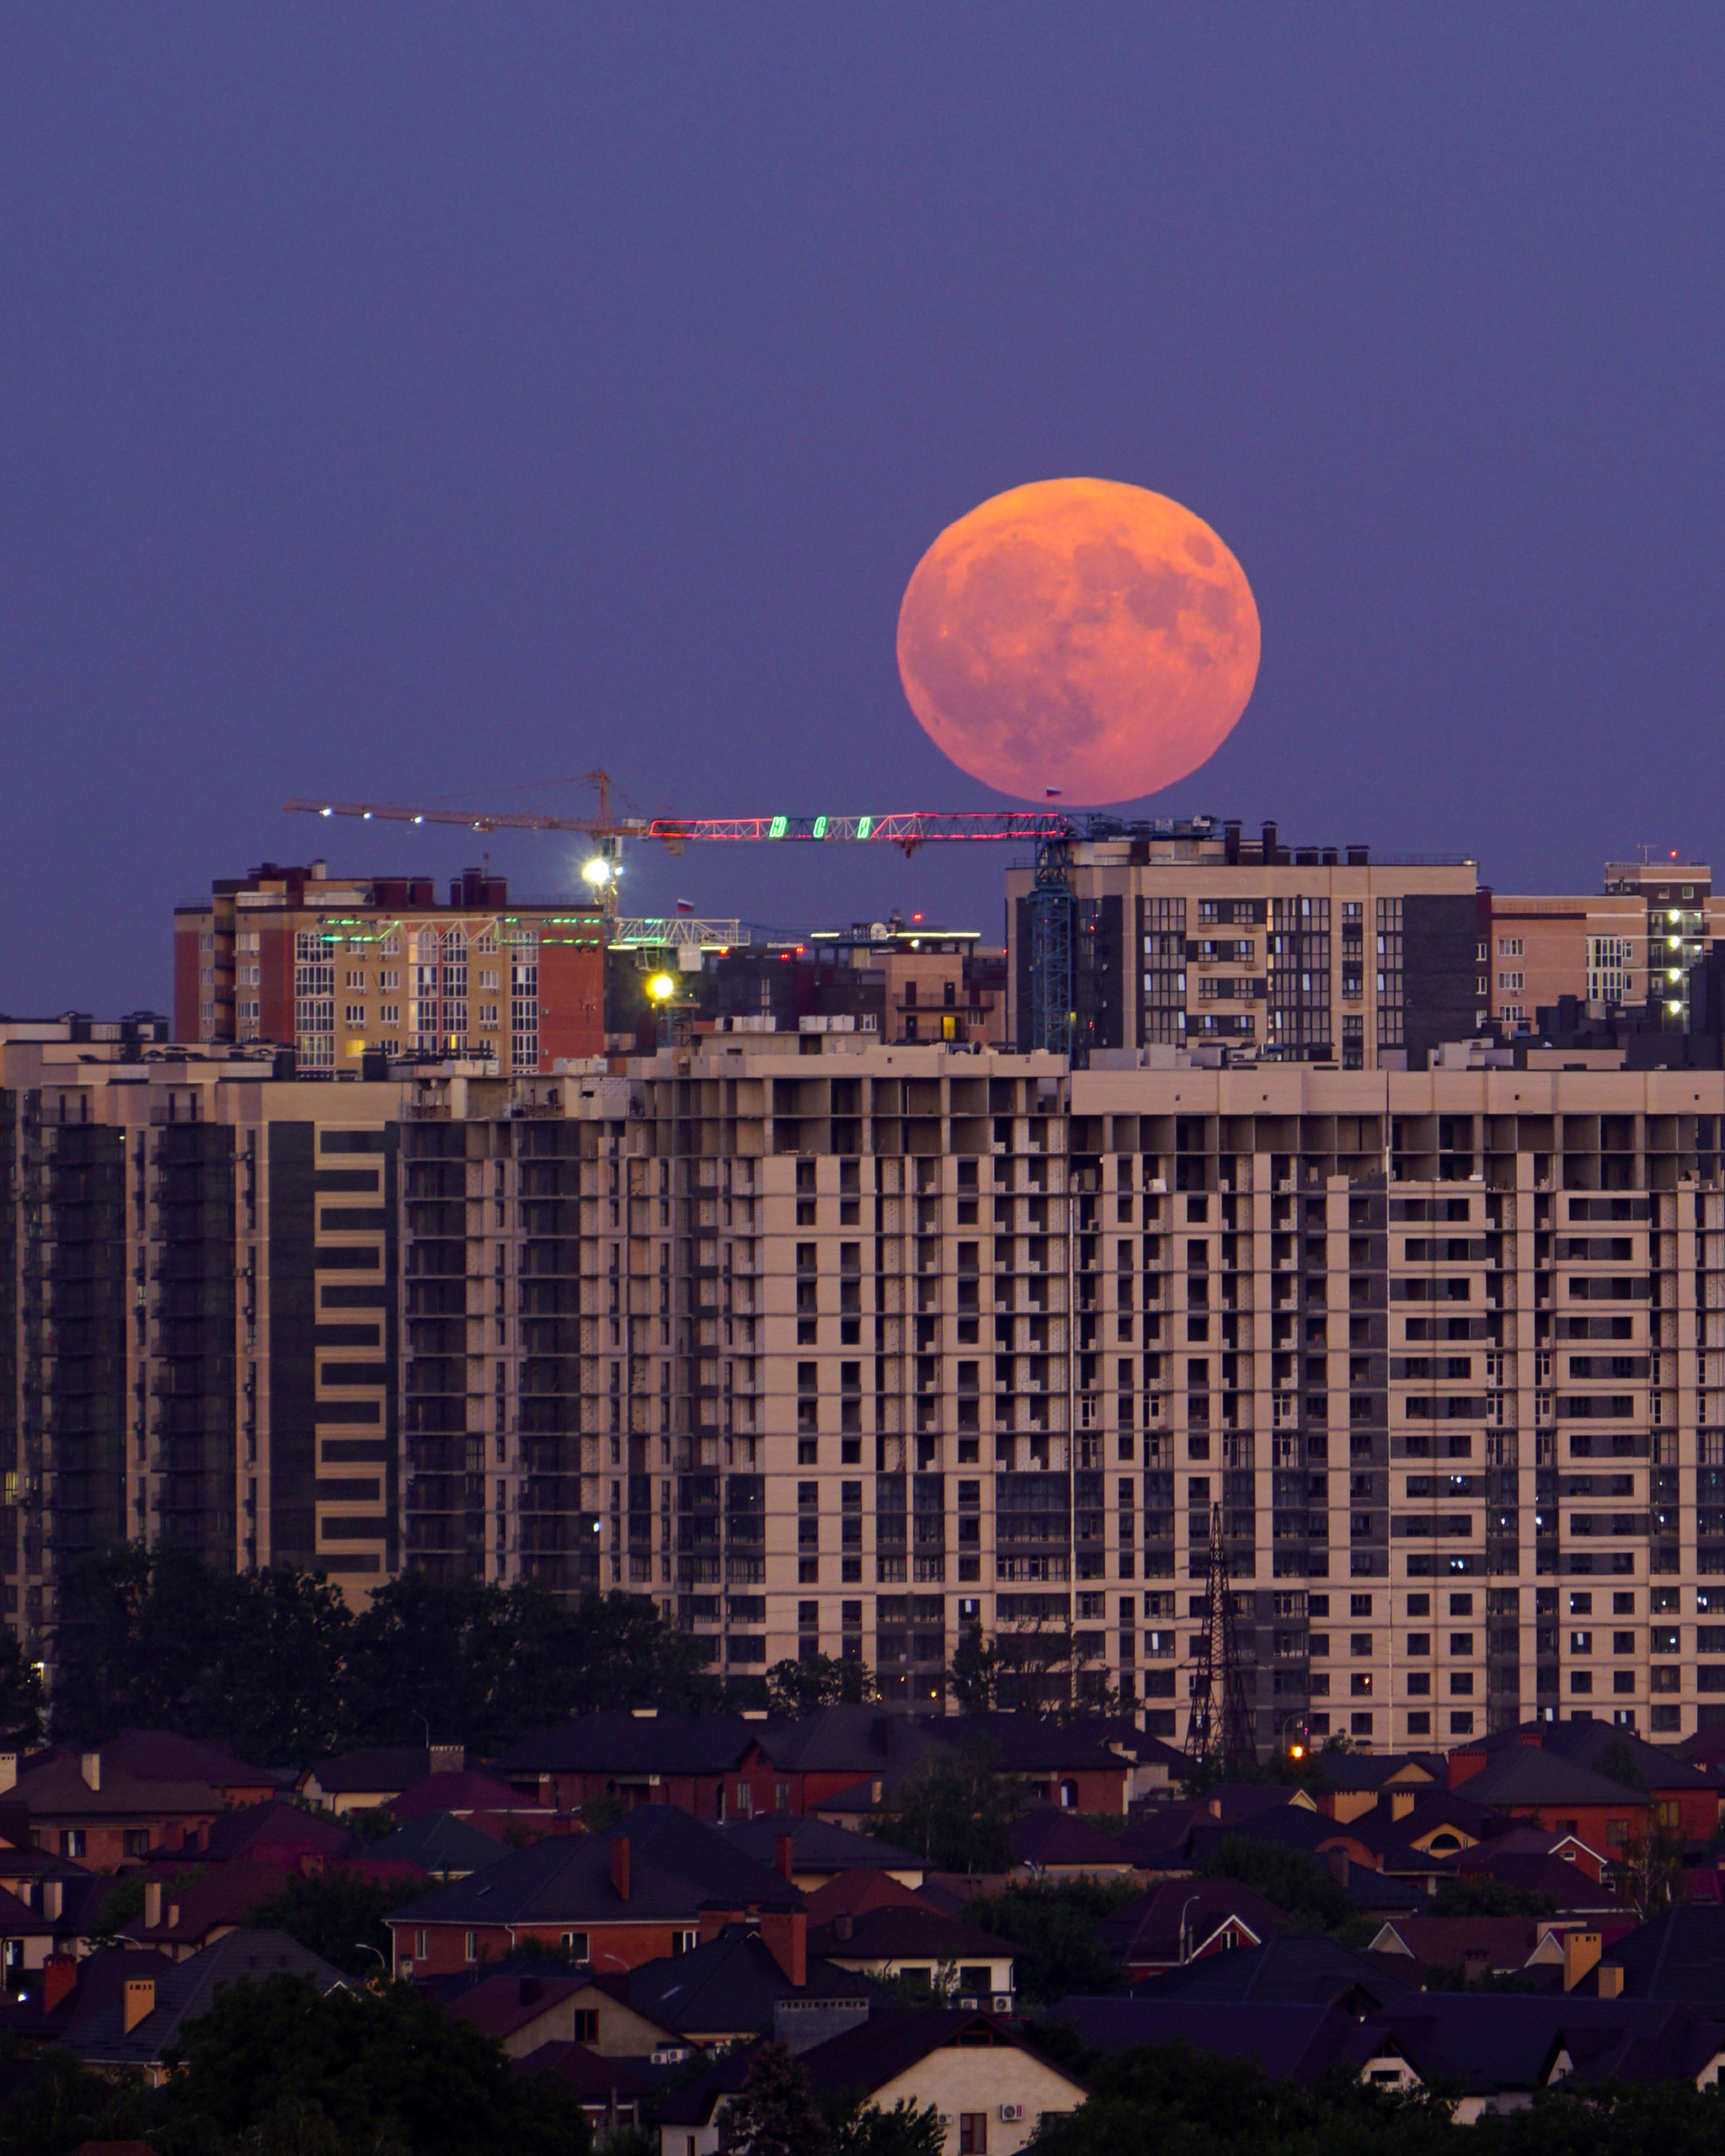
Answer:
(276, 1661)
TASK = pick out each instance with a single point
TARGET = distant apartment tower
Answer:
(337, 968)
(895, 980)
(1631, 944)
(1200, 937)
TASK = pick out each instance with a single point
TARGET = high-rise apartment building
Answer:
(1628, 945)
(1200, 937)
(832, 1344)
(337, 968)
(857, 1347)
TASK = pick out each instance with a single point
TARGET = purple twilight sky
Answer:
(405, 401)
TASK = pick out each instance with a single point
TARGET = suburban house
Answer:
(155, 2004)
(989, 2086)
(364, 1780)
(103, 1814)
(1180, 1921)
(656, 1884)
(935, 1953)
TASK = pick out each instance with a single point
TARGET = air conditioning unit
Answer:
(1012, 2112)
(1003, 2002)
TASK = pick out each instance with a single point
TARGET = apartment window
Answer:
(471, 1945)
(973, 2133)
(1511, 984)
(586, 2018)
(1510, 947)
(576, 1943)
(421, 1945)
(355, 1014)
(71, 1841)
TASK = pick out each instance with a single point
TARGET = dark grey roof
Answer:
(815, 1845)
(619, 1743)
(729, 1986)
(897, 1933)
(861, 2059)
(391, 1767)
(1296, 2043)
(1293, 1969)
(1583, 1741)
(439, 1842)
(1046, 1836)
(186, 1990)
(1521, 1775)
(678, 1866)
(1679, 1954)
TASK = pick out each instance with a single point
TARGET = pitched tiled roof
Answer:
(1150, 1928)
(186, 1990)
(438, 1842)
(677, 1866)
(897, 1934)
(634, 1744)
(1291, 1969)
(271, 1831)
(159, 1755)
(815, 1845)
(1679, 1954)
(1572, 1890)
(464, 1792)
(386, 1767)
(1287, 2042)
(1521, 1774)
(500, 2004)
(594, 2079)
(1444, 1942)
(729, 1986)
(55, 1789)
(1046, 1836)
(226, 1894)
(1584, 1742)
(895, 2039)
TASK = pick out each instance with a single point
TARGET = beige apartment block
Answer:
(1637, 938)
(839, 1346)
(1201, 938)
(863, 1346)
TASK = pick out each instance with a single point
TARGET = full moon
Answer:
(1078, 636)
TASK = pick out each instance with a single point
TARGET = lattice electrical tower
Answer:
(1220, 1727)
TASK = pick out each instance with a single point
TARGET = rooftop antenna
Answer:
(1220, 1727)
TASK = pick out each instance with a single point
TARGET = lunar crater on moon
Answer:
(1081, 635)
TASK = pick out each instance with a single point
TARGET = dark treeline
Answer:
(275, 1663)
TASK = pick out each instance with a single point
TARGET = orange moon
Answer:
(1081, 635)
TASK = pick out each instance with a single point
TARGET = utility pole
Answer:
(1219, 1725)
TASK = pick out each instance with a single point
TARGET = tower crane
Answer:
(1051, 832)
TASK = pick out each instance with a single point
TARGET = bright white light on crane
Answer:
(367, 818)
(661, 988)
(596, 872)
(326, 812)
(418, 819)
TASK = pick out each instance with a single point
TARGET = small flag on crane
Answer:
(685, 905)
(1051, 792)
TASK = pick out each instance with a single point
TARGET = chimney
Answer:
(8, 1771)
(1611, 1980)
(1337, 1860)
(1231, 844)
(93, 1771)
(52, 1900)
(783, 1846)
(139, 2002)
(844, 1927)
(620, 1866)
(785, 1932)
(1269, 845)
(59, 1980)
(174, 1916)
(152, 1904)
(1400, 1803)
(1581, 1950)
(1464, 1766)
